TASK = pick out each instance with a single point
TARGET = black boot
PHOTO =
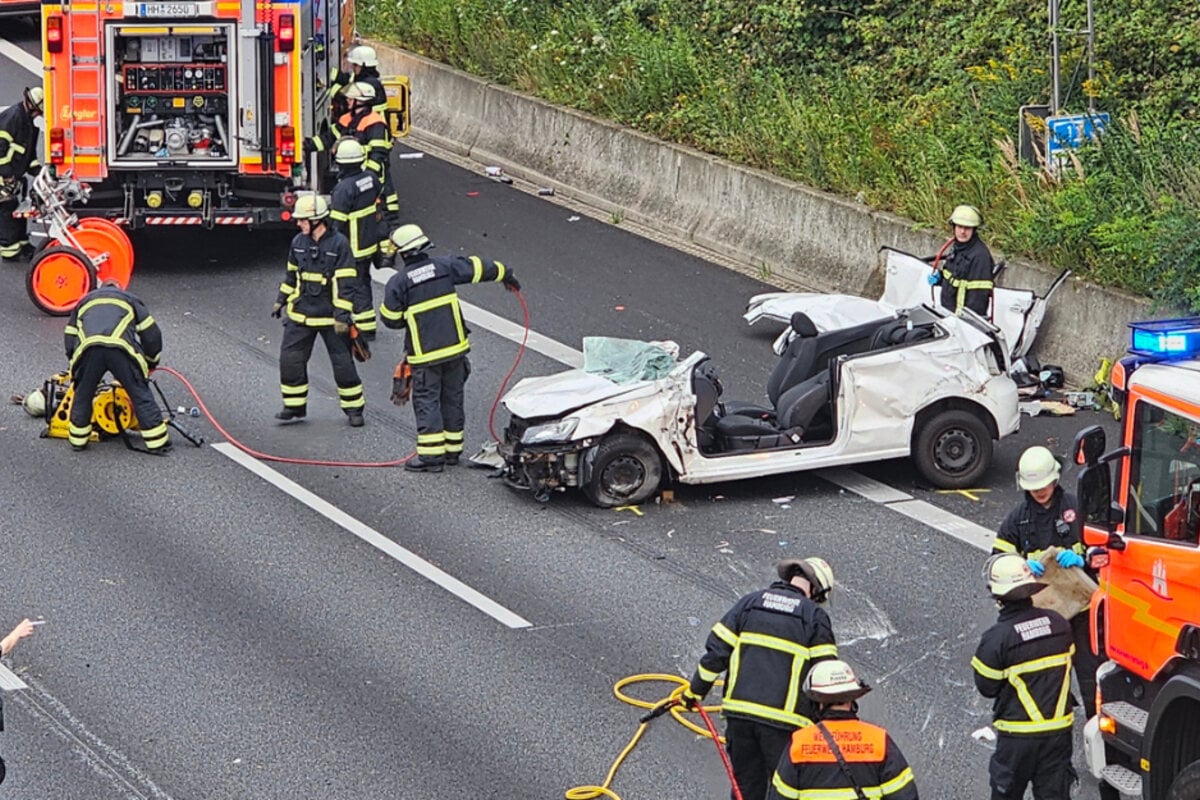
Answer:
(451, 459)
(288, 414)
(356, 419)
(424, 464)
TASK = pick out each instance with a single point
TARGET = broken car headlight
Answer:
(551, 432)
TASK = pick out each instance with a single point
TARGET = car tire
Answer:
(952, 449)
(1186, 785)
(625, 471)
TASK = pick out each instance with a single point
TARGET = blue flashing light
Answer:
(1166, 338)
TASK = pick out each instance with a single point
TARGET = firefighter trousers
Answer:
(294, 352)
(437, 400)
(364, 300)
(754, 751)
(1085, 662)
(13, 235)
(1044, 761)
(86, 374)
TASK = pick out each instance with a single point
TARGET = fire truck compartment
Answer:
(172, 91)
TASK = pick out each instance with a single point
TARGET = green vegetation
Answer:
(912, 106)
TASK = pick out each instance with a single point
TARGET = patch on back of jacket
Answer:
(1032, 629)
(364, 183)
(422, 273)
(780, 602)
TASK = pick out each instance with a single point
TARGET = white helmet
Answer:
(966, 216)
(35, 403)
(833, 681)
(1037, 469)
(311, 205)
(363, 55)
(816, 571)
(1009, 578)
(35, 97)
(409, 239)
(361, 91)
(349, 151)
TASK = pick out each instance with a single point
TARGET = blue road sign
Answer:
(1071, 131)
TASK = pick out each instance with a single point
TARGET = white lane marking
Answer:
(873, 490)
(20, 57)
(374, 538)
(9, 682)
(962, 529)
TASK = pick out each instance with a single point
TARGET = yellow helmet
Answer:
(349, 151)
(833, 681)
(1009, 578)
(361, 91)
(311, 206)
(409, 239)
(816, 571)
(966, 216)
(1037, 469)
(363, 55)
(34, 403)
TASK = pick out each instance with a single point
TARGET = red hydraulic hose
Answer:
(516, 363)
(712, 729)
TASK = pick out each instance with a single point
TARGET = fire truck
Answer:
(1140, 504)
(194, 112)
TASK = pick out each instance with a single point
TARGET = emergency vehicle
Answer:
(195, 112)
(1144, 536)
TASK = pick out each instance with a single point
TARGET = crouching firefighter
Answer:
(421, 298)
(354, 209)
(318, 295)
(111, 331)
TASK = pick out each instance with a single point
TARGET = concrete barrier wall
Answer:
(812, 238)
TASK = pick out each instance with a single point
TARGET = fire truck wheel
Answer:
(58, 279)
(626, 471)
(1186, 785)
(953, 449)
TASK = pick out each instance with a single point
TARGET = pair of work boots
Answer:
(431, 463)
(24, 254)
(288, 414)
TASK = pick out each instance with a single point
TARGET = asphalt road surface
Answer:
(220, 627)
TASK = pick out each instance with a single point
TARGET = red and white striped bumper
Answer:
(197, 220)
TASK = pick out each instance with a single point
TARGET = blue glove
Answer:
(1036, 567)
(933, 279)
(1069, 558)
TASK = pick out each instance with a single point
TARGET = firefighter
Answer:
(1023, 662)
(18, 158)
(364, 66)
(318, 295)
(369, 128)
(840, 755)
(354, 209)
(966, 269)
(768, 641)
(111, 331)
(1046, 517)
(421, 297)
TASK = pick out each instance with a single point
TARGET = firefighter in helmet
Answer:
(317, 295)
(364, 66)
(367, 125)
(18, 158)
(111, 331)
(354, 209)
(421, 298)
(1023, 663)
(965, 271)
(768, 641)
(819, 762)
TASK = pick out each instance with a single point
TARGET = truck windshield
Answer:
(1164, 478)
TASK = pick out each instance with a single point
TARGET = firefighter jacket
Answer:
(354, 209)
(421, 297)
(372, 133)
(320, 282)
(112, 317)
(810, 770)
(18, 143)
(1023, 662)
(366, 75)
(1031, 528)
(966, 276)
(767, 642)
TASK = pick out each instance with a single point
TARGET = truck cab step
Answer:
(1123, 779)
(1127, 716)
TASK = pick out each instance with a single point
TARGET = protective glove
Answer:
(933, 279)
(277, 310)
(1036, 567)
(690, 699)
(511, 283)
(1069, 558)
(309, 148)
(341, 328)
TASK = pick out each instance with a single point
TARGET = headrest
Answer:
(803, 326)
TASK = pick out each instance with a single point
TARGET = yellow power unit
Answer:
(112, 410)
(397, 91)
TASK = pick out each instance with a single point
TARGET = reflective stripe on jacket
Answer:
(1031, 528)
(18, 142)
(1024, 663)
(966, 276)
(767, 642)
(354, 209)
(111, 317)
(318, 287)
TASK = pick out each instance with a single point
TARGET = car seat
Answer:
(793, 367)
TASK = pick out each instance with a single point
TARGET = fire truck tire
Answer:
(625, 471)
(58, 279)
(953, 449)
(1186, 785)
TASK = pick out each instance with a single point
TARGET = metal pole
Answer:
(1054, 96)
(1091, 57)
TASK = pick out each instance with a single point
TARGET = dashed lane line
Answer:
(20, 57)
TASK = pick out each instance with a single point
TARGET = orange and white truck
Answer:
(191, 112)
(1140, 503)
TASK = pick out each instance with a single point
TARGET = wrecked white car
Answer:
(1018, 313)
(916, 383)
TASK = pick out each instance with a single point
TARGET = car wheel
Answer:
(1186, 785)
(626, 470)
(953, 449)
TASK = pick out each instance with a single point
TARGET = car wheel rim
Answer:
(623, 476)
(955, 451)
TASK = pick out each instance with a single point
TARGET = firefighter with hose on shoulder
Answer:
(18, 158)
(966, 271)
(768, 641)
(354, 209)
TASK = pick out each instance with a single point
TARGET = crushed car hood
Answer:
(562, 393)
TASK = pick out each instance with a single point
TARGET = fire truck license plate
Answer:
(168, 10)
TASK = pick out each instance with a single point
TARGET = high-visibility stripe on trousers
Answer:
(89, 368)
(437, 399)
(294, 352)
